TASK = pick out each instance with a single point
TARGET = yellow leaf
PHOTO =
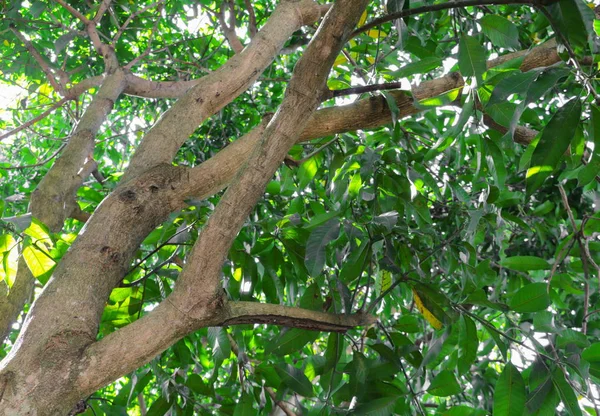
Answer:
(433, 321)
(376, 34)
(362, 20)
(237, 274)
(371, 60)
(10, 257)
(339, 60)
(38, 261)
(45, 89)
(6, 43)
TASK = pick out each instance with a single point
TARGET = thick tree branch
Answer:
(54, 198)
(198, 298)
(372, 112)
(104, 5)
(229, 28)
(219, 88)
(267, 313)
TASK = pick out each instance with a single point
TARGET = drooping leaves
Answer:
(553, 143)
(509, 393)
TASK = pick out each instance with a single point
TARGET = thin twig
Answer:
(39, 59)
(570, 51)
(35, 119)
(559, 259)
(131, 17)
(252, 18)
(364, 88)
(584, 257)
(76, 13)
(43, 162)
(442, 6)
(289, 161)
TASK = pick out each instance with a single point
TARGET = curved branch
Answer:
(198, 298)
(215, 174)
(220, 87)
(444, 6)
(229, 29)
(40, 60)
(76, 13)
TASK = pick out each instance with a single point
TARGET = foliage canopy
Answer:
(462, 213)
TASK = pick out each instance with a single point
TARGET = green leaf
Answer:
(444, 385)
(499, 341)
(471, 58)
(197, 385)
(37, 8)
(496, 163)
(316, 245)
(308, 170)
(159, 407)
(295, 379)
(354, 265)
(509, 393)
(574, 20)
(219, 342)
(355, 185)
(383, 281)
(525, 263)
(423, 66)
(358, 373)
(592, 355)
(530, 298)
(566, 392)
(570, 336)
(292, 341)
(554, 142)
(538, 397)
(244, 406)
(468, 344)
(408, 323)
(501, 31)
(383, 406)
(517, 83)
(334, 350)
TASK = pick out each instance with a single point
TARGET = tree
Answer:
(238, 207)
